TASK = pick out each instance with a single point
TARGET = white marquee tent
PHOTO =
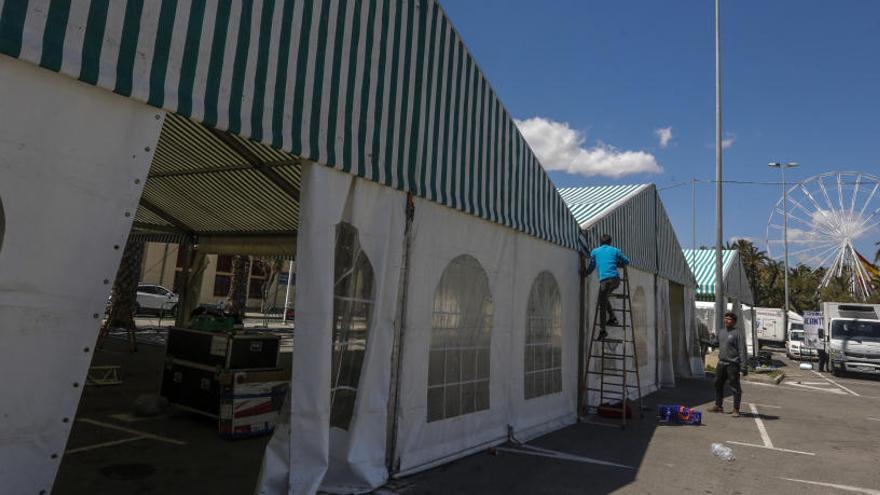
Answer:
(440, 265)
(661, 285)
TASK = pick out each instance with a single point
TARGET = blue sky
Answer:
(801, 82)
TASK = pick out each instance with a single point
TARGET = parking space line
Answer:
(131, 431)
(130, 418)
(818, 389)
(102, 445)
(552, 454)
(848, 488)
(874, 419)
(829, 380)
(765, 437)
(761, 429)
(777, 449)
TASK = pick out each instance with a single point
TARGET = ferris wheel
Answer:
(827, 215)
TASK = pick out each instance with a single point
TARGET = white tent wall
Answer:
(69, 191)
(642, 295)
(331, 458)
(665, 366)
(511, 262)
(680, 359)
(692, 335)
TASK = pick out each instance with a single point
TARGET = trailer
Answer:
(852, 334)
(770, 326)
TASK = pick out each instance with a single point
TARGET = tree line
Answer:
(765, 276)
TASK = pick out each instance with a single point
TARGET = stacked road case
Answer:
(231, 377)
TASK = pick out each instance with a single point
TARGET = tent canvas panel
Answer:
(642, 295)
(511, 262)
(262, 71)
(69, 192)
(350, 457)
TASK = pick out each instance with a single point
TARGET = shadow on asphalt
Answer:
(205, 464)
(532, 473)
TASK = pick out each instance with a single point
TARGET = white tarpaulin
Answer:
(498, 308)
(693, 334)
(664, 335)
(340, 337)
(642, 296)
(73, 159)
(481, 336)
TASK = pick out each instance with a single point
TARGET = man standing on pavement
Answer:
(606, 258)
(731, 362)
(822, 352)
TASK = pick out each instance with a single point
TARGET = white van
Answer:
(795, 347)
(853, 336)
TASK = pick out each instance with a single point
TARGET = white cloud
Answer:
(664, 134)
(559, 147)
(753, 240)
(727, 142)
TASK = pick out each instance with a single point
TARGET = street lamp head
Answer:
(782, 165)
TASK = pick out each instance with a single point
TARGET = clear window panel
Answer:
(352, 307)
(462, 331)
(543, 347)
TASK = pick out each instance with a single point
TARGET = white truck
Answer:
(770, 325)
(852, 333)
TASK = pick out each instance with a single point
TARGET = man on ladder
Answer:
(606, 258)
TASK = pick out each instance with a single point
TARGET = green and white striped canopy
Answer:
(385, 90)
(589, 204)
(635, 218)
(702, 264)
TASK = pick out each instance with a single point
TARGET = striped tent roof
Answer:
(635, 218)
(385, 90)
(589, 204)
(702, 264)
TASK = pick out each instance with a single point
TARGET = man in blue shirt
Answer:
(606, 258)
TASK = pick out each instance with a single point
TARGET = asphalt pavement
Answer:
(812, 434)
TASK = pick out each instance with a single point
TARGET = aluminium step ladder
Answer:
(613, 359)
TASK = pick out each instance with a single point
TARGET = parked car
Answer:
(155, 299)
(796, 348)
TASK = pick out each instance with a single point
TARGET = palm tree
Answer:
(123, 302)
(238, 290)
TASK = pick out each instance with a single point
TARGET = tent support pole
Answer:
(582, 338)
(392, 459)
(182, 319)
(657, 355)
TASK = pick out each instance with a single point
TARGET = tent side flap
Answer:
(69, 192)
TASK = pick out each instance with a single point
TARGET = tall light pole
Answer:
(720, 307)
(782, 167)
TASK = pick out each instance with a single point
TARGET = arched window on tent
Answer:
(543, 347)
(458, 365)
(352, 307)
